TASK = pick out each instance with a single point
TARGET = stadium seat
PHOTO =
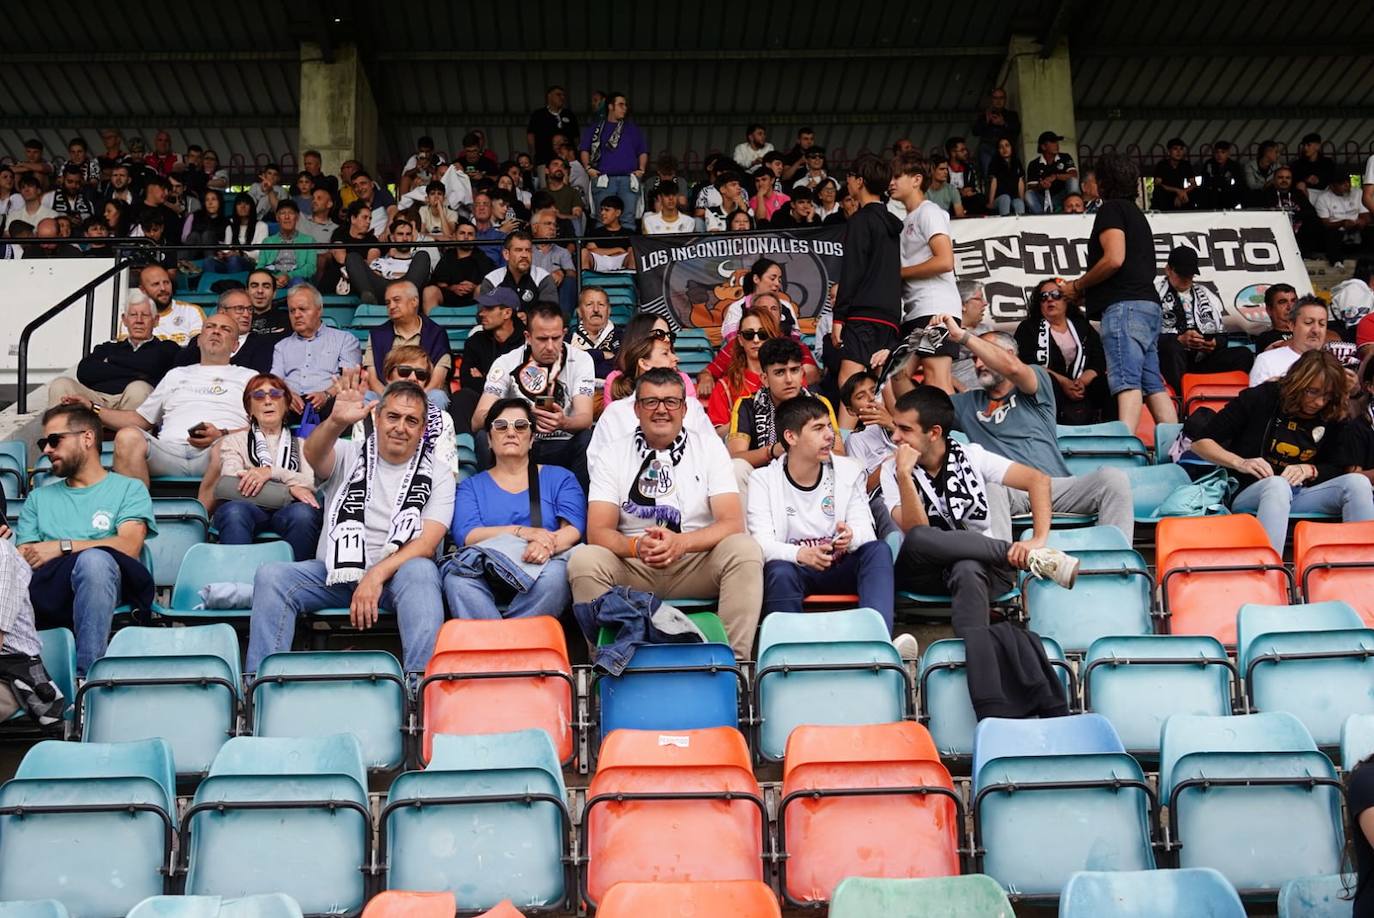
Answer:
(1197, 892)
(395, 903)
(870, 800)
(267, 905)
(945, 708)
(1113, 594)
(681, 806)
(497, 794)
(1137, 682)
(1315, 661)
(974, 896)
(1062, 778)
(14, 470)
(1212, 390)
(205, 564)
(1336, 561)
(1104, 429)
(735, 898)
(362, 692)
(1317, 897)
(282, 815)
(670, 687)
(181, 524)
(1357, 740)
(59, 659)
(181, 684)
(825, 668)
(14, 506)
(1165, 435)
(34, 908)
(1252, 797)
(1083, 455)
(499, 676)
(97, 825)
(1208, 567)
(1151, 485)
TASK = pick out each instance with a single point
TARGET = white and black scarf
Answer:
(579, 338)
(260, 451)
(765, 418)
(594, 154)
(965, 498)
(1042, 350)
(346, 552)
(1192, 309)
(654, 494)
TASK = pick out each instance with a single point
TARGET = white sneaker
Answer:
(907, 646)
(1053, 564)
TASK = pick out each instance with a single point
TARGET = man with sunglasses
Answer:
(311, 358)
(82, 536)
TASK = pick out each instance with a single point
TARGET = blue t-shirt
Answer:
(482, 502)
(59, 511)
(1020, 427)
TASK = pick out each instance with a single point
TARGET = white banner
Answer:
(1240, 253)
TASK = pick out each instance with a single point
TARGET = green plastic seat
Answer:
(1083, 455)
(1151, 485)
(1165, 435)
(1104, 429)
(1357, 740)
(972, 896)
(1114, 594)
(59, 659)
(708, 622)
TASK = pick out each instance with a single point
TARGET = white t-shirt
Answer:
(928, 296)
(190, 395)
(391, 266)
(181, 323)
(748, 157)
(578, 377)
(1368, 177)
(989, 466)
(1332, 206)
(655, 225)
(381, 504)
(618, 419)
(871, 446)
(704, 471)
(1272, 363)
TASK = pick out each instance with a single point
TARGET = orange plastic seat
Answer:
(691, 810)
(829, 832)
(499, 676)
(1349, 549)
(831, 600)
(1208, 567)
(732, 898)
(401, 904)
(1212, 390)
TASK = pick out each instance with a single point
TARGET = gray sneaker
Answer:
(907, 646)
(1053, 564)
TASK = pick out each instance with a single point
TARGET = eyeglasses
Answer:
(406, 372)
(240, 308)
(754, 334)
(259, 394)
(520, 424)
(1051, 295)
(659, 334)
(1314, 393)
(653, 403)
(52, 440)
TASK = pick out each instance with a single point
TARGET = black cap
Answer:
(499, 297)
(1183, 261)
(1048, 136)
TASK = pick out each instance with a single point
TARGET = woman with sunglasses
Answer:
(743, 376)
(514, 524)
(641, 325)
(268, 452)
(412, 363)
(1057, 336)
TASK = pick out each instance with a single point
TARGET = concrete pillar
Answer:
(338, 115)
(1041, 89)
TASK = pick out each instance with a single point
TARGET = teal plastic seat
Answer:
(1196, 892)
(369, 315)
(1102, 822)
(486, 820)
(111, 848)
(361, 692)
(34, 908)
(14, 472)
(181, 524)
(1151, 485)
(205, 564)
(1114, 594)
(1165, 435)
(825, 668)
(1084, 455)
(1259, 835)
(13, 507)
(1315, 661)
(282, 815)
(181, 684)
(945, 707)
(1103, 429)
(1086, 538)
(971, 896)
(1317, 897)
(270, 905)
(1357, 740)
(1139, 681)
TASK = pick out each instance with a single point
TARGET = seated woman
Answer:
(267, 452)
(515, 523)
(743, 375)
(641, 325)
(411, 362)
(764, 277)
(706, 379)
(1285, 440)
(1057, 336)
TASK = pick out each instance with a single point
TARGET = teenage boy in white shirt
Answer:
(668, 219)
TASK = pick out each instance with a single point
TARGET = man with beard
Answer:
(176, 321)
(1302, 216)
(400, 263)
(459, 272)
(269, 317)
(565, 195)
(500, 332)
(532, 285)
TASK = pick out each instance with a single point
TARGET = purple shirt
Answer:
(624, 159)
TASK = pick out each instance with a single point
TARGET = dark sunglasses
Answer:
(661, 335)
(259, 394)
(53, 440)
(406, 372)
(520, 424)
(755, 334)
(1051, 295)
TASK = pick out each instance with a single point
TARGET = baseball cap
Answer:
(1184, 261)
(1048, 136)
(500, 297)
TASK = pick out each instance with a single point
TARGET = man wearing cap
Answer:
(500, 333)
(1174, 179)
(1049, 176)
(1192, 338)
(1311, 170)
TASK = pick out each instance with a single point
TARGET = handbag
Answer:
(272, 496)
(1205, 497)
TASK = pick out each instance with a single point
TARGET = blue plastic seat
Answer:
(1103, 429)
(1317, 897)
(269, 905)
(181, 524)
(1259, 835)
(361, 692)
(1165, 435)
(205, 564)
(110, 847)
(282, 815)
(1113, 595)
(1151, 485)
(369, 315)
(945, 707)
(1357, 740)
(1084, 455)
(486, 820)
(1139, 681)
(181, 684)
(1197, 892)
(1103, 821)
(670, 687)
(34, 908)
(14, 472)
(825, 668)
(1315, 661)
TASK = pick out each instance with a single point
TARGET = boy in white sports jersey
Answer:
(928, 287)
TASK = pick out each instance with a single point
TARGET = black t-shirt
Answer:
(608, 238)
(1039, 169)
(481, 350)
(274, 323)
(1253, 424)
(1175, 177)
(1323, 167)
(1135, 279)
(543, 124)
(1265, 339)
(1359, 443)
(1007, 174)
(1360, 798)
(454, 270)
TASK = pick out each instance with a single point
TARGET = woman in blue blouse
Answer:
(505, 556)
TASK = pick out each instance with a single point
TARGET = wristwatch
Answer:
(65, 545)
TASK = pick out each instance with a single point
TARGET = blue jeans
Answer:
(1273, 499)
(96, 584)
(239, 521)
(1035, 196)
(867, 571)
(1007, 205)
(283, 591)
(473, 597)
(618, 185)
(1130, 336)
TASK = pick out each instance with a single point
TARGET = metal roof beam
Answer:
(693, 119)
(580, 55)
(1064, 16)
(146, 57)
(161, 119)
(1277, 51)
(1302, 113)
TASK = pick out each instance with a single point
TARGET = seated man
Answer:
(808, 509)
(176, 321)
(82, 536)
(409, 327)
(269, 316)
(401, 262)
(314, 355)
(532, 285)
(288, 266)
(1192, 338)
(595, 333)
(460, 270)
(663, 516)
(937, 491)
(499, 331)
(558, 380)
(606, 247)
(122, 373)
(387, 505)
(249, 349)
(553, 259)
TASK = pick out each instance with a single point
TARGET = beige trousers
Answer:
(134, 394)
